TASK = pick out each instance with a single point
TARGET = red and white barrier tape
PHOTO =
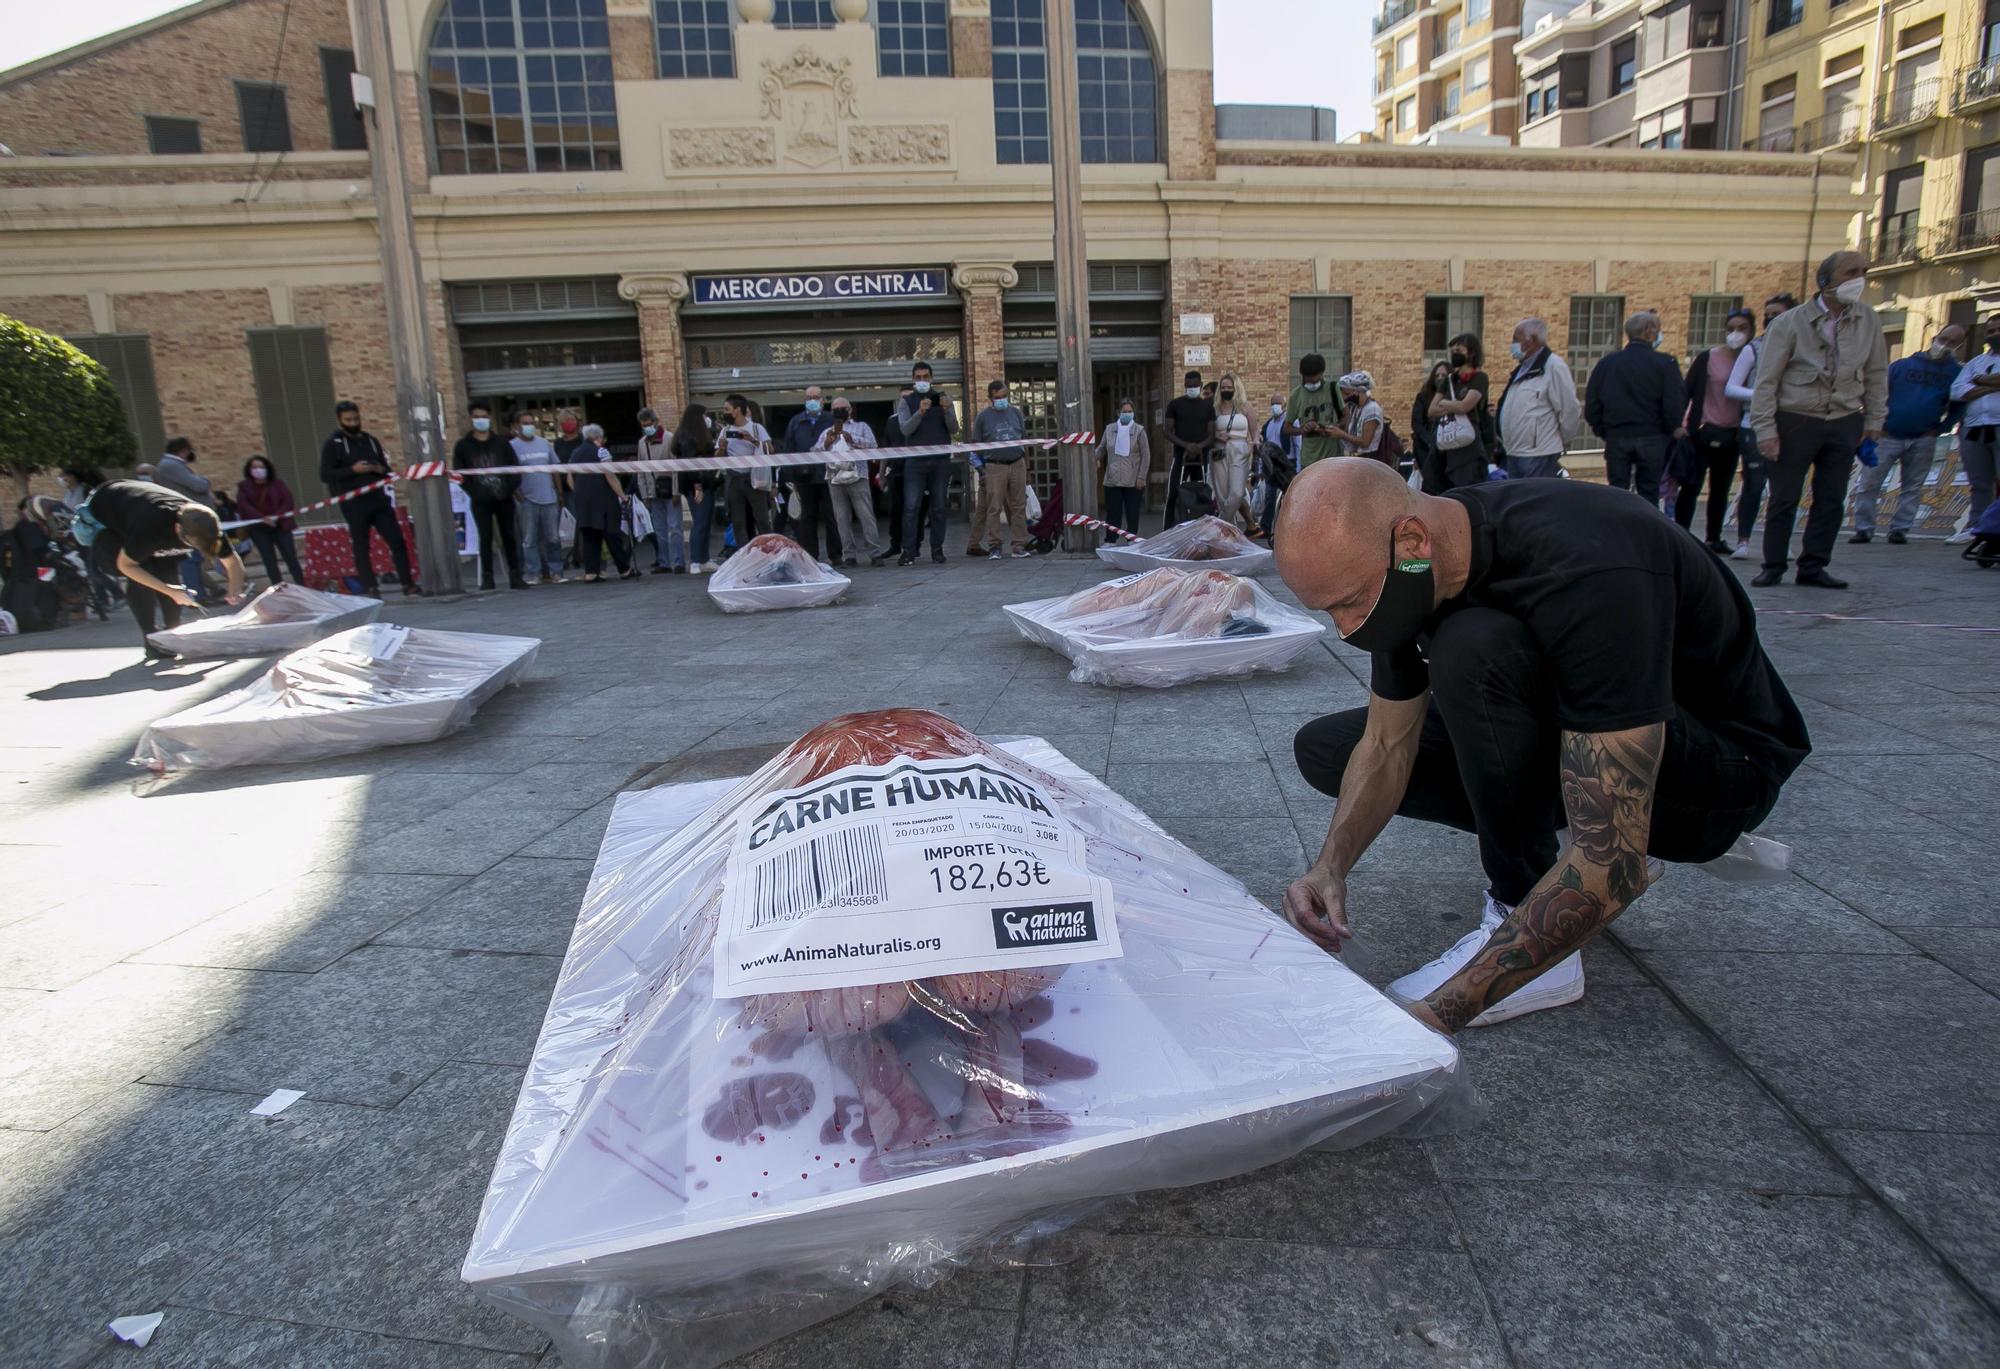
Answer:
(1077, 520)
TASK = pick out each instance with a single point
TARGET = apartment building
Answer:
(1627, 73)
(1912, 88)
(1446, 67)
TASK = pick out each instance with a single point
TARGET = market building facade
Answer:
(667, 201)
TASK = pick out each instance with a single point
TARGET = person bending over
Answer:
(143, 532)
(1547, 654)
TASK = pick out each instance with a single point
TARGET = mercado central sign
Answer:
(787, 286)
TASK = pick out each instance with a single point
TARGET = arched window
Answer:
(522, 85)
(1118, 92)
(693, 39)
(912, 38)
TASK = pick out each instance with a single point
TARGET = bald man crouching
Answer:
(1547, 654)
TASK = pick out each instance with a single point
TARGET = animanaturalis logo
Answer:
(1045, 924)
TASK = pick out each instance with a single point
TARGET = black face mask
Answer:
(1409, 594)
(1993, 342)
(1458, 358)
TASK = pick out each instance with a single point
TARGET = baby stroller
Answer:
(47, 584)
(1046, 532)
(1984, 549)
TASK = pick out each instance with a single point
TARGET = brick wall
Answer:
(971, 45)
(985, 345)
(357, 344)
(157, 172)
(186, 70)
(59, 314)
(1190, 125)
(201, 364)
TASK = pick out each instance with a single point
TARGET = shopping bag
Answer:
(566, 527)
(1034, 507)
(642, 520)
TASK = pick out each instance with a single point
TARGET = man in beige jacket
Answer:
(1822, 389)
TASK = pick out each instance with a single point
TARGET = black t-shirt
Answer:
(140, 515)
(1638, 618)
(1189, 420)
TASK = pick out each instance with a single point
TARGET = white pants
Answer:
(854, 515)
(1229, 476)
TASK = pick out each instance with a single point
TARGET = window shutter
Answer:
(294, 380)
(343, 119)
(266, 117)
(128, 358)
(173, 137)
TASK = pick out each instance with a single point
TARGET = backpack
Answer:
(1390, 449)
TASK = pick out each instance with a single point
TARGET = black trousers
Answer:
(590, 544)
(150, 608)
(1121, 506)
(1177, 472)
(493, 521)
(1824, 449)
(1488, 760)
(271, 543)
(1636, 462)
(925, 475)
(375, 512)
(1718, 451)
(749, 509)
(815, 513)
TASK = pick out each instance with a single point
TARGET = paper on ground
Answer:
(276, 1102)
(138, 1330)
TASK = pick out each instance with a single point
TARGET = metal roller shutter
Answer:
(128, 358)
(294, 379)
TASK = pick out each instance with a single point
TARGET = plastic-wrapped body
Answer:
(1166, 627)
(774, 572)
(688, 1175)
(378, 685)
(1206, 543)
(284, 617)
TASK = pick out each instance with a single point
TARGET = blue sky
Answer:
(1295, 52)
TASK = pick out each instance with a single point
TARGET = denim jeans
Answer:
(1751, 501)
(1914, 456)
(925, 474)
(1534, 467)
(668, 551)
(541, 537)
(701, 516)
(191, 573)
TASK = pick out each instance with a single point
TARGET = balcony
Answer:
(1839, 129)
(1394, 13)
(1898, 239)
(1908, 106)
(1776, 140)
(1975, 232)
(1978, 87)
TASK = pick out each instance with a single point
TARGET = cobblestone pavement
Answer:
(1767, 1136)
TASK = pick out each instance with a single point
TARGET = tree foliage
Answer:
(57, 405)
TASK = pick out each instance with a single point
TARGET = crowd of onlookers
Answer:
(1790, 399)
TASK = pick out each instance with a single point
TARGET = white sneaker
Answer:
(1559, 984)
(710, 567)
(531, 579)
(1959, 538)
(1742, 551)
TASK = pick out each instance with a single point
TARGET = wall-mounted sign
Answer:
(1198, 325)
(814, 287)
(1197, 356)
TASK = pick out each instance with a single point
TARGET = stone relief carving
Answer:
(671, 286)
(898, 144)
(723, 147)
(809, 95)
(984, 276)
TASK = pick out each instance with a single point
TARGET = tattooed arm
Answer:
(1607, 787)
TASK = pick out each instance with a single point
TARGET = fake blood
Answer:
(746, 1106)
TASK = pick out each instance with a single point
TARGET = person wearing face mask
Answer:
(1003, 488)
(1921, 410)
(491, 496)
(1822, 390)
(924, 419)
(1281, 461)
(1634, 401)
(1229, 465)
(1978, 388)
(660, 491)
(1126, 457)
(537, 504)
(1538, 415)
(808, 479)
(261, 494)
(1190, 433)
(1742, 388)
(1530, 672)
(1313, 412)
(1712, 421)
(349, 460)
(846, 444)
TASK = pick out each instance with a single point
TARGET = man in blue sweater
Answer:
(1920, 410)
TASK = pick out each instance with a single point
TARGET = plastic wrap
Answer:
(283, 618)
(689, 1175)
(1206, 543)
(774, 572)
(379, 685)
(1166, 627)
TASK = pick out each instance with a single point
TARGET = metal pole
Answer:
(419, 404)
(1075, 386)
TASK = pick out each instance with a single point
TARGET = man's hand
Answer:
(179, 594)
(1872, 435)
(1316, 904)
(923, 403)
(696, 494)
(1680, 433)
(1768, 448)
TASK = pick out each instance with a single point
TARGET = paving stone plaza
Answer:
(1768, 1135)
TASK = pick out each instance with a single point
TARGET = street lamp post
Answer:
(1074, 384)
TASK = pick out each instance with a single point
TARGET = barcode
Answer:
(844, 868)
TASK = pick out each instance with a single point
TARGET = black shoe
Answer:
(486, 584)
(1897, 537)
(1720, 548)
(1766, 578)
(937, 555)
(517, 583)
(411, 590)
(663, 570)
(907, 561)
(1861, 536)
(874, 560)
(1819, 579)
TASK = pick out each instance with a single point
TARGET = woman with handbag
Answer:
(1229, 460)
(598, 504)
(1461, 435)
